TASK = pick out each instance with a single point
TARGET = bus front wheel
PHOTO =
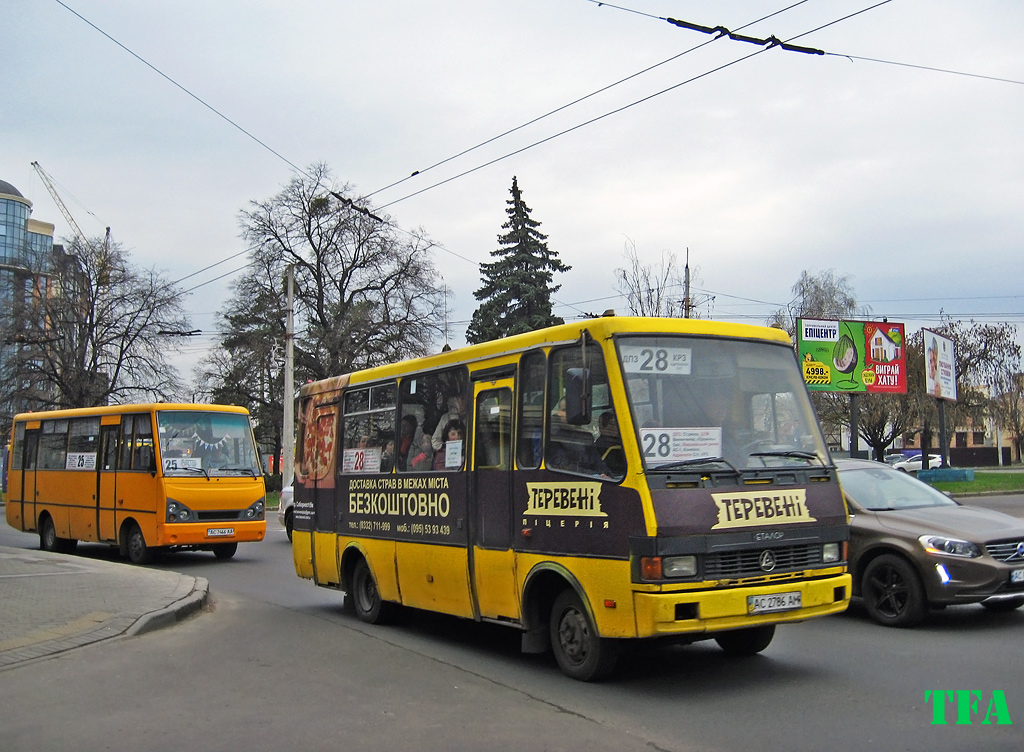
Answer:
(580, 651)
(138, 551)
(369, 606)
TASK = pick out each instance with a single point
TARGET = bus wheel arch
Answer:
(579, 649)
(543, 585)
(133, 543)
(365, 596)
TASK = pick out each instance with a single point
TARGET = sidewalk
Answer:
(50, 603)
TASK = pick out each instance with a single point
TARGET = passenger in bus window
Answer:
(572, 448)
(456, 411)
(405, 440)
(454, 430)
(723, 407)
(609, 444)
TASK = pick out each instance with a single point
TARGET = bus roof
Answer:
(599, 328)
(84, 412)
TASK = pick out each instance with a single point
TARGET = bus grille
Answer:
(1006, 551)
(736, 564)
(220, 516)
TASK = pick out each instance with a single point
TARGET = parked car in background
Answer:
(912, 547)
(284, 509)
(892, 459)
(913, 464)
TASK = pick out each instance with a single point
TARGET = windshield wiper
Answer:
(792, 453)
(239, 470)
(189, 469)
(695, 462)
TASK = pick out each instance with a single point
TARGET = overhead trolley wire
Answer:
(583, 98)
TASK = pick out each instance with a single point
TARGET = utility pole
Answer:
(686, 286)
(288, 435)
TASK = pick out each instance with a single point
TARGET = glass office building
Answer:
(26, 248)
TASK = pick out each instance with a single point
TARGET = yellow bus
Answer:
(140, 477)
(588, 484)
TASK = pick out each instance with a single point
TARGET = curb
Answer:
(171, 615)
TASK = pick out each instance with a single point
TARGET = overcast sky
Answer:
(910, 181)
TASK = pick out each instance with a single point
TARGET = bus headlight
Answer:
(255, 511)
(679, 566)
(831, 553)
(178, 512)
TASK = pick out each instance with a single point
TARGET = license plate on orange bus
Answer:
(219, 532)
(766, 604)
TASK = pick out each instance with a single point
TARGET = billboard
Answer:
(939, 366)
(852, 356)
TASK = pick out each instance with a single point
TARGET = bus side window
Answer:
(127, 442)
(529, 440)
(145, 457)
(18, 449)
(431, 404)
(369, 429)
(53, 445)
(591, 448)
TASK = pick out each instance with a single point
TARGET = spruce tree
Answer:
(516, 292)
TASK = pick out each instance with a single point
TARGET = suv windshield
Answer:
(732, 404)
(198, 442)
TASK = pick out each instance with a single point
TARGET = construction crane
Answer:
(64, 210)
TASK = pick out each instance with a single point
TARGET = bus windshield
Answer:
(712, 403)
(206, 443)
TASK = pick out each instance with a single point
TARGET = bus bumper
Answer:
(211, 533)
(661, 614)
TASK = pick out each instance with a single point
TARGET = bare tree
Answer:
(366, 294)
(649, 290)
(91, 329)
(823, 295)
(1008, 406)
(819, 296)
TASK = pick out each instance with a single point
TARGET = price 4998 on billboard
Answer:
(852, 356)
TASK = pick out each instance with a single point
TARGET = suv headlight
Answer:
(940, 545)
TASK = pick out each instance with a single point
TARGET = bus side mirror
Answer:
(577, 396)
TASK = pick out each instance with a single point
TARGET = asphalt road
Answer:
(277, 663)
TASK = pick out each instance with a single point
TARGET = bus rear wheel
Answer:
(369, 606)
(138, 551)
(748, 641)
(580, 651)
(225, 550)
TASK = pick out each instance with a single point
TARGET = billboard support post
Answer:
(854, 425)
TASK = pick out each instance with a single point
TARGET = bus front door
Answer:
(106, 482)
(492, 561)
(29, 519)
